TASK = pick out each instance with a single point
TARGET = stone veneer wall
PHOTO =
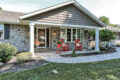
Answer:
(19, 37)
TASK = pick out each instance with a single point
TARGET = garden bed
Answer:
(109, 51)
(16, 67)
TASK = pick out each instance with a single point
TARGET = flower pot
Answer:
(37, 42)
(59, 45)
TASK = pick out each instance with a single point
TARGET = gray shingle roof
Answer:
(9, 16)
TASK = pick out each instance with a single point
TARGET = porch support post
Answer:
(97, 40)
(32, 39)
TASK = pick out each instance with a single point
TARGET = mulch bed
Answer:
(111, 50)
(16, 67)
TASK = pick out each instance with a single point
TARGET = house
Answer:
(116, 31)
(68, 21)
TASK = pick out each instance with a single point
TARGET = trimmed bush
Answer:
(74, 53)
(6, 52)
(24, 57)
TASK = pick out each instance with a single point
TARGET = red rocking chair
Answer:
(62, 46)
(78, 45)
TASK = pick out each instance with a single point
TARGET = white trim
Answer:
(50, 38)
(76, 33)
(97, 40)
(12, 22)
(81, 31)
(65, 33)
(71, 34)
(45, 10)
(66, 25)
(45, 36)
(32, 39)
(75, 3)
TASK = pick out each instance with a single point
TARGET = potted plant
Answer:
(37, 42)
(58, 44)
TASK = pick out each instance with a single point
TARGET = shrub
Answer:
(106, 35)
(74, 53)
(6, 52)
(24, 57)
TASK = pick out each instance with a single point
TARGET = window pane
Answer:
(1, 31)
(78, 33)
(68, 34)
(74, 34)
(62, 33)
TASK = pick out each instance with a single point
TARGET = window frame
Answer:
(65, 33)
(81, 32)
(3, 32)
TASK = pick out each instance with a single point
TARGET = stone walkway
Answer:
(53, 57)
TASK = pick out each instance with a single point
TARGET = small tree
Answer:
(106, 35)
(105, 20)
(0, 8)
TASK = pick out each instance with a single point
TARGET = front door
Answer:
(41, 38)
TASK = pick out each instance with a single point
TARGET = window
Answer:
(62, 33)
(68, 34)
(1, 31)
(74, 33)
(71, 34)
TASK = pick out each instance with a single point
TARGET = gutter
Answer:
(21, 22)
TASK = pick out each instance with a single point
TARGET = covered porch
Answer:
(48, 34)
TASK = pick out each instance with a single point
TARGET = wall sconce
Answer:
(54, 33)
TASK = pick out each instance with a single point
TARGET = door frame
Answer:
(45, 36)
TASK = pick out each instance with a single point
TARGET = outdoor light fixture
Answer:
(54, 33)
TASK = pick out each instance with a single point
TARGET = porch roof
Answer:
(64, 25)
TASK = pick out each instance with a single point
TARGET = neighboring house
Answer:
(116, 31)
(68, 21)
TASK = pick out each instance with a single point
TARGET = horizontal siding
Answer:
(66, 15)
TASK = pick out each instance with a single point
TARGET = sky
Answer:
(109, 8)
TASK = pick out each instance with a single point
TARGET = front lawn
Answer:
(106, 70)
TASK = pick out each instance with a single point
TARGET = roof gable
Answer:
(76, 4)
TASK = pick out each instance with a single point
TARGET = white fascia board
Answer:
(45, 10)
(15, 22)
(66, 25)
(12, 22)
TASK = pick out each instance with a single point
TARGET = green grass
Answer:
(106, 70)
